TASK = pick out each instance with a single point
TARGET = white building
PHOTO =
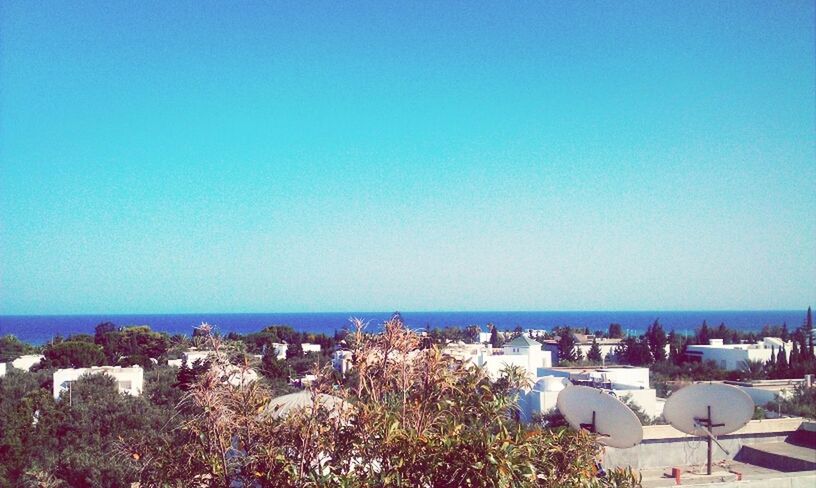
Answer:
(2, 369)
(620, 381)
(129, 380)
(484, 337)
(541, 398)
(192, 355)
(27, 361)
(521, 351)
(309, 347)
(280, 348)
(731, 356)
(342, 361)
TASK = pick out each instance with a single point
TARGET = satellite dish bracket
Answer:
(707, 423)
(591, 427)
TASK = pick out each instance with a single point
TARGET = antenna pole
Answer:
(710, 447)
(708, 423)
(590, 427)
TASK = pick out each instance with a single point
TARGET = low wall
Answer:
(665, 446)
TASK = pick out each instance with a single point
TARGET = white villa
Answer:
(731, 356)
(342, 360)
(309, 347)
(280, 348)
(521, 351)
(129, 380)
(28, 361)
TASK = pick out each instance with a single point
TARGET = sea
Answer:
(39, 329)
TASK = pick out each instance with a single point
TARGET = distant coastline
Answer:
(38, 329)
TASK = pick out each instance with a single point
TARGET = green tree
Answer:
(566, 346)
(472, 333)
(634, 352)
(274, 368)
(808, 331)
(752, 370)
(494, 338)
(11, 348)
(294, 350)
(615, 331)
(675, 348)
(656, 337)
(73, 354)
(703, 334)
(781, 364)
(594, 353)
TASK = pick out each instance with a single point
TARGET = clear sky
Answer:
(333, 156)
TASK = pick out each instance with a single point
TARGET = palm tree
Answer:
(752, 369)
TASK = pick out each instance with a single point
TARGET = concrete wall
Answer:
(129, 380)
(665, 446)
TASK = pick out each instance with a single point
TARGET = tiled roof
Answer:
(522, 341)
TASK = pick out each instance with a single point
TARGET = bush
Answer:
(413, 417)
(72, 354)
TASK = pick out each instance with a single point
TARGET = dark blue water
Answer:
(38, 329)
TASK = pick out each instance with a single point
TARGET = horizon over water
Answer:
(39, 329)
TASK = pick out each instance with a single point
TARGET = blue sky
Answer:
(333, 156)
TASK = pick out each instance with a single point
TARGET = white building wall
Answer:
(309, 347)
(27, 361)
(606, 349)
(530, 359)
(280, 349)
(731, 356)
(129, 380)
(192, 356)
(645, 399)
(2, 369)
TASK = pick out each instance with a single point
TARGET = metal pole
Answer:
(708, 468)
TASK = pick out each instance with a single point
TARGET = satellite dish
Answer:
(592, 409)
(687, 409)
(283, 406)
(709, 409)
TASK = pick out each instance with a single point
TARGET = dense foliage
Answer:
(411, 417)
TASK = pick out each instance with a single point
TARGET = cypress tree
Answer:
(809, 333)
(566, 346)
(794, 358)
(703, 334)
(594, 353)
(656, 338)
(782, 363)
(494, 337)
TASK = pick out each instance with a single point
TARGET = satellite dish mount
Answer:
(591, 427)
(692, 409)
(707, 423)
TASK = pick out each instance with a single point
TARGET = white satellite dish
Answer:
(592, 409)
(707, 409)
(283, 406)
